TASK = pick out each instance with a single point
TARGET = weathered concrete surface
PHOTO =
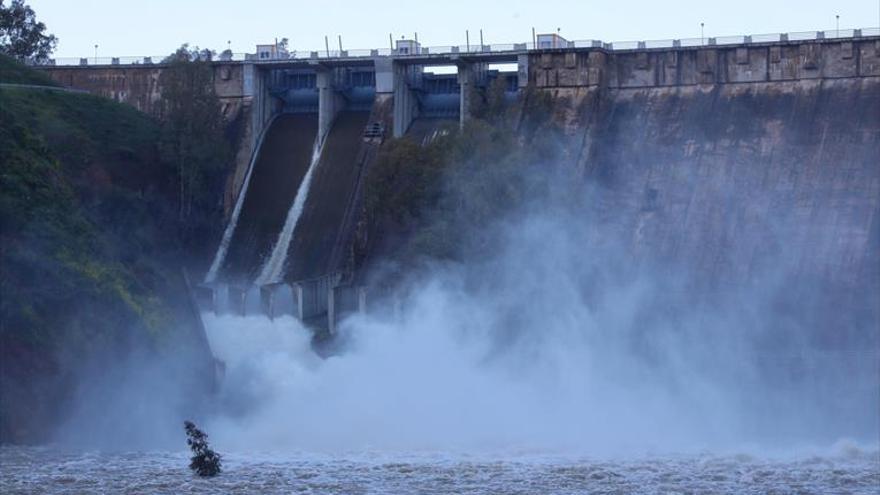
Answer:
(138, 85)
(744, 185)
(815, 59)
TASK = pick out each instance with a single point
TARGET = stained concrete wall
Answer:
(138, 85)
(755, 187)
(768, 62)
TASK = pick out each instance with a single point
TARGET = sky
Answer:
(157, 27)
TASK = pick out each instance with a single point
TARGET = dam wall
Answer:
(686, 66)
(739, 181)
(767, 191)
(741, 164)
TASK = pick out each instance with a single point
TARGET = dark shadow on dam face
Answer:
(283, 161)
(333, 184)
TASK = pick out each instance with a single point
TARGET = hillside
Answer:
(88, 250)
(12, 72)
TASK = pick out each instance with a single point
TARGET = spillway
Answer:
(283, 160)
(333, 184)
(274, 266)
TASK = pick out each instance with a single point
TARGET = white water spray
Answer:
(274, 266)
(220, 256)
(520, 353)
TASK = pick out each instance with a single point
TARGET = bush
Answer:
(204, 462)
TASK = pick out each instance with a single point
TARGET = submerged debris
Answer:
(204, 462)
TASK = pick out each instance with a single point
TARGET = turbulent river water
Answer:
(358, 424)
(844, 469)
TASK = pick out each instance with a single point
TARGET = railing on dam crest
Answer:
(494, 48)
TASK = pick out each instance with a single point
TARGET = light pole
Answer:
(702, 33)
(837, 18)
(96, 54)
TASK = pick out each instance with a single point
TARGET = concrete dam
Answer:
(734, 161)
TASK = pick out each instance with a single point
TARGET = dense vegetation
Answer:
(12, 72)
(90, 250)
(193, 139)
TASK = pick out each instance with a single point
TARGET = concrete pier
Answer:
(342, 301)
(237, 298)
(406, 106)
(330, 102)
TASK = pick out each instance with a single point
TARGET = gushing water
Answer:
(274, 266)
(220, 256)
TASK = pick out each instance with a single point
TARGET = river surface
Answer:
(50, 470)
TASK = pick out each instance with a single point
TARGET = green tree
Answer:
(192, 129)
(21, 36)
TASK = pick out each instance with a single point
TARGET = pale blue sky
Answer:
(156, 27)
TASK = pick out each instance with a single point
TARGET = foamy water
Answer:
(26, 470)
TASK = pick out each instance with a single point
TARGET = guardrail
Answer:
(492, 48)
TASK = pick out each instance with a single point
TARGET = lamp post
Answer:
(837, 18)
(702, 33)
(96, 54)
